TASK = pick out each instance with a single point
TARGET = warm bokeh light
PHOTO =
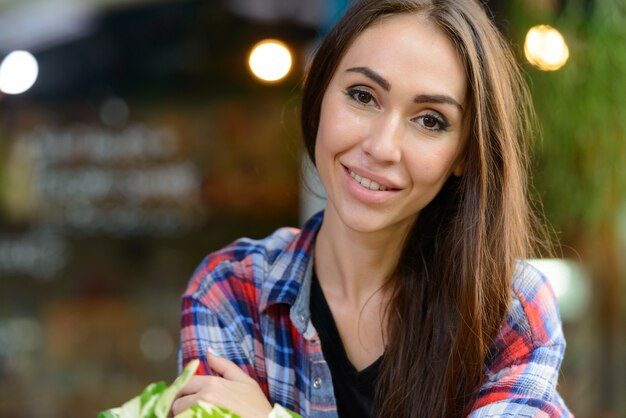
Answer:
(270, 60)
(545, 48)
(18, 72)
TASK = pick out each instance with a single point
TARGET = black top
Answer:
(354, 390)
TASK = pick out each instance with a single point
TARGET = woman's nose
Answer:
(383, 140)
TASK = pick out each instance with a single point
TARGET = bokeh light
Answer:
(270, 60)
(545, 48)
(18, 72)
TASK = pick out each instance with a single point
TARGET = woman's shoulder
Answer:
(523, 365)
(531, 284)
(269, 248)
(534, 300)
(240, 266)
(533, 318)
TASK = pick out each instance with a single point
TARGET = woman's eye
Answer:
(433, 122)
(362, 96)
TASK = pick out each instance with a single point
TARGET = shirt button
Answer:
(301, 317)
(317, 383)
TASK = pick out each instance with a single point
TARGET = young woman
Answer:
(407, 296)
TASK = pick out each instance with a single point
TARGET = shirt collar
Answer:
(289, 278)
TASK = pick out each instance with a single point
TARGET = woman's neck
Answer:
(353, 265)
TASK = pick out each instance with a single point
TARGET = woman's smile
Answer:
(367, 187)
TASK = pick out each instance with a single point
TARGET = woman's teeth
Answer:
(368, 183)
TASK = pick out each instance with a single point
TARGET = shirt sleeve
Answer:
(217, 315)
(202, 331)
(523, 368)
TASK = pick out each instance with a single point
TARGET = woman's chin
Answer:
(372, 223)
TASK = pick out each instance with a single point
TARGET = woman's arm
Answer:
(523, 370)
(203, 331)
(218, 327)
(525, 387)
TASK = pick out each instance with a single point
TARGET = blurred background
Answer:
(135, 138)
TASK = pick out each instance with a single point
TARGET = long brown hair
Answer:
(452, 285)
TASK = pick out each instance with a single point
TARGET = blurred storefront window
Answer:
(143, 144)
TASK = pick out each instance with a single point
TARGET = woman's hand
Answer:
(233, 389)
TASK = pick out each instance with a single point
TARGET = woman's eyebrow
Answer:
(373, 75)
(420, 98)
(437, 98)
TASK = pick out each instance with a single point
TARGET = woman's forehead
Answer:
(411, 52)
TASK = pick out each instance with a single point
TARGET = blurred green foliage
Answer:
(580, 174)
(581, 109)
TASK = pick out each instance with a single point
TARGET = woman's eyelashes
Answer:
(431, 121)
(361, 95)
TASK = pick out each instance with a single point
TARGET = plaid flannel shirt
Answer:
(249, 302)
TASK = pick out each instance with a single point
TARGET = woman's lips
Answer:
(369, 180)
(376, 191)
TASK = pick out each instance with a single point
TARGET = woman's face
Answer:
(392, 125)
